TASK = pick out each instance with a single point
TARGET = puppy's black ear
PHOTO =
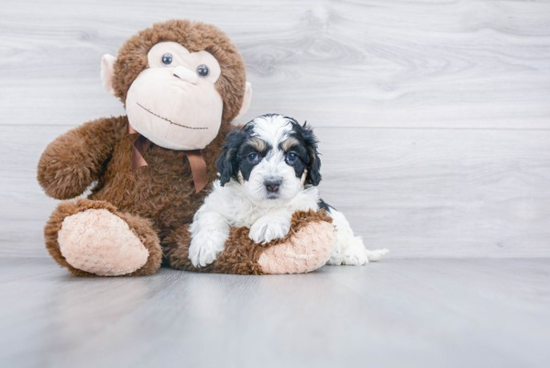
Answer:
(314, 164)
(227, 163)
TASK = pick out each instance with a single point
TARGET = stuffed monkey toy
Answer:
(182, 83)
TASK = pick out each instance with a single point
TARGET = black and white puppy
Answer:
(268, 170)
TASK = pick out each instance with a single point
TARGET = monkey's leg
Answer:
(91, 238)
(306, 248)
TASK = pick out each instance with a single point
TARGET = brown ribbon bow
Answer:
(196, 160)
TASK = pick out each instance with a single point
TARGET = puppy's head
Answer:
(272, 157)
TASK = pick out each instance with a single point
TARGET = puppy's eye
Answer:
(167, 59)
(253, 157)
(291, 158)
(203, 70)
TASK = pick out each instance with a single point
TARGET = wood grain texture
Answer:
(340, 63)
(423, 313)
(440, 193)
(434, 116)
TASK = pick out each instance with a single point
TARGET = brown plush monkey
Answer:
(182, 84)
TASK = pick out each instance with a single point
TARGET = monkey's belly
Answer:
(167, 197)
(166, 208)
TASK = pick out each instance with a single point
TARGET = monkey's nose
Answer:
(185, 75)
(272, 186)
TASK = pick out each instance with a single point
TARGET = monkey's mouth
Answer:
(168, 120)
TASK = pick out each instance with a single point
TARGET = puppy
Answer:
(268, 170)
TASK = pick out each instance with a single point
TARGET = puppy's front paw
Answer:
(267, 229)
(205, 248)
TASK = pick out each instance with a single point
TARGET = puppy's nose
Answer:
(272, 186)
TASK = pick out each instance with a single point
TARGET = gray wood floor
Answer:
(413, 313)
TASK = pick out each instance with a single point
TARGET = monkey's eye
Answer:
(202, 70)
(167, 59)
(291, 158)
(253, 157)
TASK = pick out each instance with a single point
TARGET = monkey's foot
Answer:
(101, 243)
(92, 238)
(307, 250)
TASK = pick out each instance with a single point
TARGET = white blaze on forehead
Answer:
(274, 133)
(272, 129)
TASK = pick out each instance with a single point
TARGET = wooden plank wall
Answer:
(433, 116)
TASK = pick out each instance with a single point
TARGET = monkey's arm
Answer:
(75, 159)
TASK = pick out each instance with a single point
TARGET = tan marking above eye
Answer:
(287, 144)
(258, 144)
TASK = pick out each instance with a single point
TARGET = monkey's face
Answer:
(174, 102)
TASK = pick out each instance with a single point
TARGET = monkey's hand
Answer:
(75, 159)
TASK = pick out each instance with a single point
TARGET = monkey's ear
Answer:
(246, 100)
(107, 72)
(227, 164)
